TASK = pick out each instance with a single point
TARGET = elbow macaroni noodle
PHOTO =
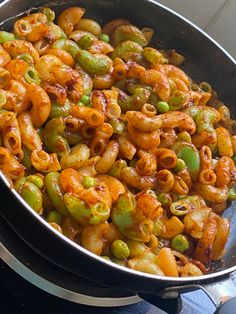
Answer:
(115, 145)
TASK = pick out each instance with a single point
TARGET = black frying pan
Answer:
(207, 61)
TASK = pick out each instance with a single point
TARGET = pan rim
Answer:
(166, 279)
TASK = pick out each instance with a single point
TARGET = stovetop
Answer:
(17, 296)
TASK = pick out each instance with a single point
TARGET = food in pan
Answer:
(109, 140)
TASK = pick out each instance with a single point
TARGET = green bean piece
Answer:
(86, 41)
(177, 101)
(92, 215)
(26, 57)
(118, 126)
(19, 184)
(107, 258)
(92, 63)
(119, 262)
(124, 101)
(67, 45)
(120, 249)
(52, 185)
(175, 58)
(139, 98)
(154, 56)
(36, 180)
(184, 136)
(60, 111)
(49, 13)
(180, 165)
(132, 163)
(206, 87)
(190, 155)
(53, 138)
(158, 228)
(54, 216)
(204, 121)
(3, 99)
(129, 32)
(85, 100)
(6, 36)
(72, 138)
(117, 167)
(63, 34)
(126, 49)
(153, 99)
(180, 243)
(131, 85)
(164, 199)
(162, 107)
(130, 224)
(232, 194)
(33, 196)
(234, 159)
(26, 161)
(31, 76)
(88, 182)
(104, 37)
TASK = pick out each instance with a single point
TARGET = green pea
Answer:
(88, 182)
(60, 111)
(31, 76)
(232, 194)
(67, 45)
(6, 36)
(164, 199)
(118, 127)
(54, 216)
(162, 107)
(86, 41)
(36, 180)
(119, 262)
(52, 185)
(94, 64)
(85, 100)
(53, 138)
(180, 165)
(180, 243)
(3, 99)
(234, 159)
(49, 14)
(32, 195)
(83, 214)
(104, 37)
(120, 249)
(26, 57)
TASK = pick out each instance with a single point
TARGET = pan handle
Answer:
(222, 294)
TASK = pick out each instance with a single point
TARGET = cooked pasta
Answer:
(114, 144)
